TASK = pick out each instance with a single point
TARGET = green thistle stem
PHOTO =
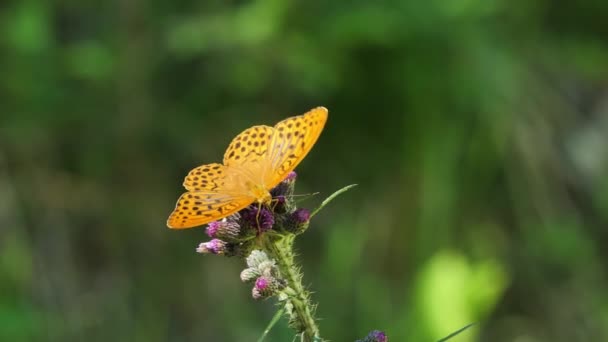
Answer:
(301, 318)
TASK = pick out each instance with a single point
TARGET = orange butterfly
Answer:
(255, 162)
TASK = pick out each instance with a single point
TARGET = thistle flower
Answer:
(258, 217)
(260, 265)
(291, 176)
(375, 336)
(285, 188)
(226, 229)
(280, 204)
(261, 288)
(265, 287)
(215, 246)
(297, 222)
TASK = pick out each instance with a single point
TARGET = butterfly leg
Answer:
(257, 218)
(273, 203)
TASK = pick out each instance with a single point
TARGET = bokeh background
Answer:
(477, 131)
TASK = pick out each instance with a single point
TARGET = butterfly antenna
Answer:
(303, 197)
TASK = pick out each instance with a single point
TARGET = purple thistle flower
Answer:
(375, 336)
(266, 286)
(285, 187)
(215, 246)
(280, 205)
(262, 284)
(260, 218)
(263, 288)
(212, 228)
(378, 336)
(297, 222)
(291, 177)
(301, 215)
(226, 229)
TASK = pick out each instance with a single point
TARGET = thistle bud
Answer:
(285, 188)
(375, 336)
(280, 205)
(215, 246)
(256, 257)
(249, 274)
(297, 222)
(258, 217)
(267, 268)
(265, 287)
(226, 229)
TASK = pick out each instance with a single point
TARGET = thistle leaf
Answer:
(331, 197)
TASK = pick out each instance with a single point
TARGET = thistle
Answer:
(248, 204)
(264, 237)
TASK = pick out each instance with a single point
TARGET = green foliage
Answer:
(475, 130)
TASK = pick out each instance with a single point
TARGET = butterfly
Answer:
(256, 161)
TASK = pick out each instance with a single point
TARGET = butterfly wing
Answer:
(208, 177)
(214, 192)
(293, 138)
(200, 207)
(249, 146)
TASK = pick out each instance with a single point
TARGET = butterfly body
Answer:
(256, 161)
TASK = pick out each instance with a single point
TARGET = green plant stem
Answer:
(281, 249)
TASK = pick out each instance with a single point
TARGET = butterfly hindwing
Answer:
(200, 207)
(209, 177)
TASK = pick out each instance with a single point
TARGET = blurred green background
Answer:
(476, 130)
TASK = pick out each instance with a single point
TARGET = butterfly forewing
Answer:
(293, 139)
(249, 146)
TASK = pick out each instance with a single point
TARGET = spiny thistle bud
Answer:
(375, 336)
(215, 246)
(256, 257)
(282, 194)
(260, 267)
(285, 188)
(280, 204)
(258, 217)
(265, 287)
(297, 222)
(291, 177)
(226, 229)
(267, 268)
(249, 274)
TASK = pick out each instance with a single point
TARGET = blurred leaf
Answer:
(28, 26)
(90, 60)
(451, 290)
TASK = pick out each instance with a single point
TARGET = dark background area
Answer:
(476, 130)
